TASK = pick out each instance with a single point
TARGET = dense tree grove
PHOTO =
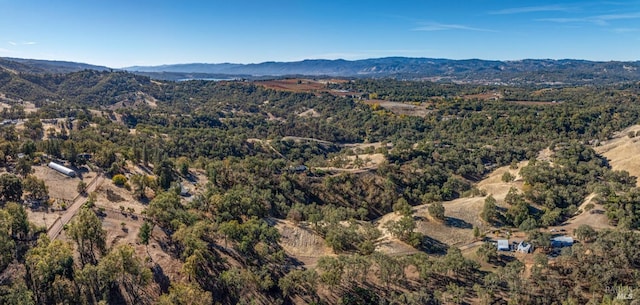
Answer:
(264, 162)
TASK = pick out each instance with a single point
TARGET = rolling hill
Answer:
(45, 66)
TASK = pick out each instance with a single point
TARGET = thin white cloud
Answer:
(436, 26)
(2, 50)
(563, 20)
(24, 43)
(599, 19)
(626, 30)
(635, 15)
(532, 9)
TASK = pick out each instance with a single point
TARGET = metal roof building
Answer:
(503, 245)
(62, 169)
(562, 241)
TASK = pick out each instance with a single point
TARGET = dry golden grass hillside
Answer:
(623, 152)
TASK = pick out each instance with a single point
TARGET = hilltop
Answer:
(45, 66)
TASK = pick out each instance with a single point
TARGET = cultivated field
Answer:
(303, 85)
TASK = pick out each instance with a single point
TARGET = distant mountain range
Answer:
(529, 71)
(472, 70)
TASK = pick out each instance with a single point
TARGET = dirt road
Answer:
(58, 225)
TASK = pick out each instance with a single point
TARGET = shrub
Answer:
(402, 207)
(489, 211)
(436, 210)
(507, 177)
(119, 180)
(589, 207)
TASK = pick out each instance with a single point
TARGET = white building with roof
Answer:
(562, 241)
(524, 247)
(503, 245)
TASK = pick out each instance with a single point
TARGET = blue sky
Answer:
(119, 33)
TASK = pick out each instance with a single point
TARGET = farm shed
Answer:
(62, 169)
(562, 241)
(503, 245)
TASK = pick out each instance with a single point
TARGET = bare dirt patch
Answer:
(400, 108)
(363, 146)
(596, 217)
(367, 160)
(151, 101)
(60, 186)
(50, 128)
(392, 246)
(457, 229)
(301, 243)
(536, 103)
(41, 217)
(487, 96)
(138, 99)
(271, 117)
(494, 185)
(113, 197)
(121, 228)
(309, 113)
(29, 107)
(387, 243)
(301, 139)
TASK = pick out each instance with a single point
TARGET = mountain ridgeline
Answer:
(473, 71)
(45, 66)
(530, 71)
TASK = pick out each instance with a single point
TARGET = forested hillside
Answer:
(211, 178)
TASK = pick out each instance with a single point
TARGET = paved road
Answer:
(58, 225)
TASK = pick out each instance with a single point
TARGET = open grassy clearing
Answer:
(401, 108)
(623, 152)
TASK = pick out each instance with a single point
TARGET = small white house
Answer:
(524, 247)
(503, 245)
